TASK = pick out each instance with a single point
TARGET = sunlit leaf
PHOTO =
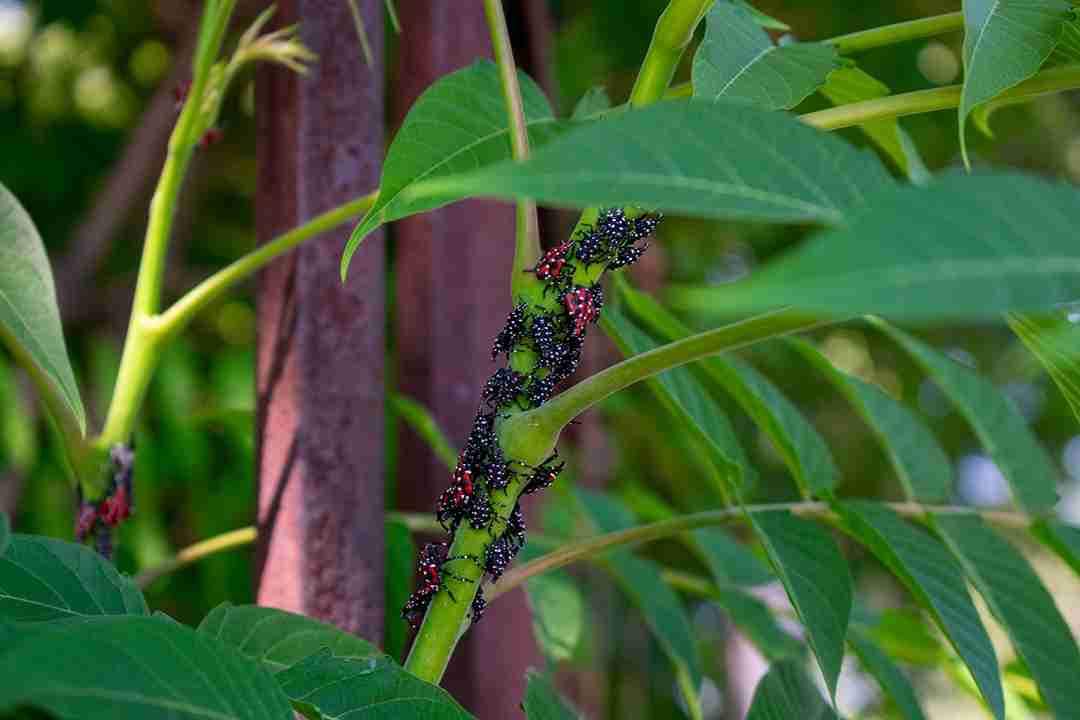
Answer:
(934, 578)
(29, 316)
(731, 162)
(1004, 44)
(787, 692)
(998, 424)
(558, 614)
(950, 249)
(737, 60)
(888, 675)
(327, 687)
(115, 668)
(543, 702)
(457, 125)
(44, 579)
(817, 580)
(921, 465)
(279, 639)
(1021, 603)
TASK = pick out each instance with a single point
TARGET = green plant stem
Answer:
(673, 33)
(183, 310)
(585, 549)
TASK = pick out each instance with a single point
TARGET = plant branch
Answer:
(585, 549)
(673, 33)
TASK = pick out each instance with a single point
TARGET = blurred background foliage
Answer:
(78, 81)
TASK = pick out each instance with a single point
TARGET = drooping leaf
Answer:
(852, 84)
(787, 692)
(29, 316)
(681, 392)
(889, 676)
(756, 621)
(997, 423)
(644, 586)
(1063, 539)
(457, 125)
(803, 449)
(543, 702)
(920, 463)
(934, 578)
(398, 581)
(558, 614)
(43, 579)
(114, 668)
(737, 60)
(1004, 44)
(817, 580)
(593, 102)
(950, 249)
(327, 687)
(1055, 342)
(729, 562)
(731, 162)
(279, 639)
(1025, 608)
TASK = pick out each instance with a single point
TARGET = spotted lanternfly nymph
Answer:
(627, 256)
(119, 504)
(430, 566)
(613, 225)
(539, 390)
(455, 501)
(512, 331)
(499, 555)
(543, 475)
(644, 225)
(503, 387)
(591, 247)
(553, 263)
(479, 604)
(481, 440)
(496, 470)
(580, 304)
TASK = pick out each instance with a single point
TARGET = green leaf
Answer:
(852, 84)
(424, 424)
(1025, 608)
(905, 634)
(765, 21)
(543, 702)
(681, 392)
(737, 60)
(29, 316)
(1063, 539)
(644, 586)
(921, 465)
(817, 580)
(1004, 44)
(43, 579)
(803, 449)
(754, 618)
(1055, 342)
(593, 102)
(731, 162)
(5, 532)
(997, 423)
(398, 581)
(457, 125)
(787, 692)
(113, 668)
(933, 577)
(558, 614)
(326, 687)
(729, 562)
(889, 676)
(279, 639)
(972, 258)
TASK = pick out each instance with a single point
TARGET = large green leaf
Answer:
(1023, 605)
(729, 562)
(457, 125)
(113, 668)
(817, 580)
(1005, 42)
(543, 702)
(852, 84)
(950, 249)
(558, 610)
(644, 586)
(327, 687)
(921, 465)
(889, 676)
(998, 424)
(280, 639)
(1055, 342)
(681, 392)
(738, 60)
(45, 579)
(803, 449)
(29, 316)
(934, 578)
(787, 692)
(1063, 539)
(731, 162)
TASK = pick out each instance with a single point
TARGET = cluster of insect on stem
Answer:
(96, 519)
(553, 331)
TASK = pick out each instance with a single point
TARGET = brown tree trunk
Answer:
(453, 294)
(321, 344)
